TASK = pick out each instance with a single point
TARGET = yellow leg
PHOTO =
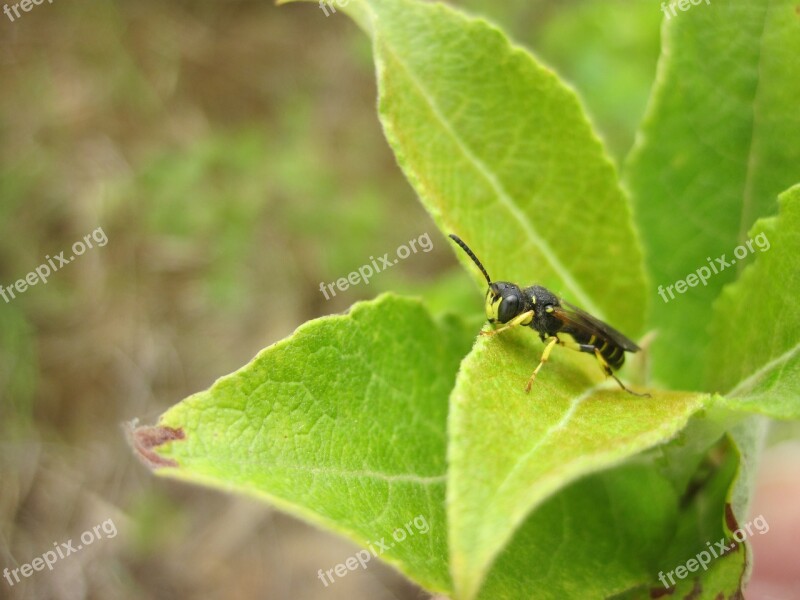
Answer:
(552, 341)
(518, 320)
(604, 366)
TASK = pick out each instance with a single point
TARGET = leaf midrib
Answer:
(747, 200)
(765, 369)
(506, 199)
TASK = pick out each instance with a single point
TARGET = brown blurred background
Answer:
(231, 153)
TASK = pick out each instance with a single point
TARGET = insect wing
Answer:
(571, 315)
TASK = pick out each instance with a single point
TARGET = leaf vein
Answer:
(577, 292)
(748, 383)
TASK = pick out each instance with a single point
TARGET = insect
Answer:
(556, 320)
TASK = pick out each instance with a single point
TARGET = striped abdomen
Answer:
(611, 351)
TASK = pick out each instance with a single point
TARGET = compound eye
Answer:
(509, 308)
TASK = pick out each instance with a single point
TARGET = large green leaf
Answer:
(755, 348)
(719, 143)
(342, 424)
(614, 532)
(501, 152)
(613, 523)
(509, 451)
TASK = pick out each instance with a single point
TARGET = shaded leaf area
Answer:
(509, 450)
(613, 533)
(700, 527)
(748, 437)
(596, 538)
(755, 357)
(342, 424)
(714, 496)
(717, 146)
(501, 152)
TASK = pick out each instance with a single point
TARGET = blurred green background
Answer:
(232, 154)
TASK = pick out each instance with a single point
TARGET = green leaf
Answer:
(501, 152)
(614, 532)
(718, 144)
(342, 424)
(509, 451)
(596, 538)
(755, 347)
(719, 508)
(748, 438)
(701, 523)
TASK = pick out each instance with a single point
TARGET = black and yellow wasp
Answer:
(556, 320)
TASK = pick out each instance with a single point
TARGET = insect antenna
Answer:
(471, 254)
